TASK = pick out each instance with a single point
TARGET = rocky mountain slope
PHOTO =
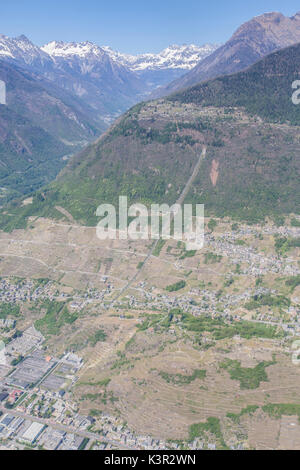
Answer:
(246, 121)
(252, 41)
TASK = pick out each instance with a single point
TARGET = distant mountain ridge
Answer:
(22, 50)
(252, 41)
(107, 87)
(39, 125)
(182, 57)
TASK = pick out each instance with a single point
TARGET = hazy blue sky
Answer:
(133, 26)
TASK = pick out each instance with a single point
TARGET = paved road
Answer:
(179, 201)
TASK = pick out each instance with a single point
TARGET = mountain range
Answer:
(96, 74)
